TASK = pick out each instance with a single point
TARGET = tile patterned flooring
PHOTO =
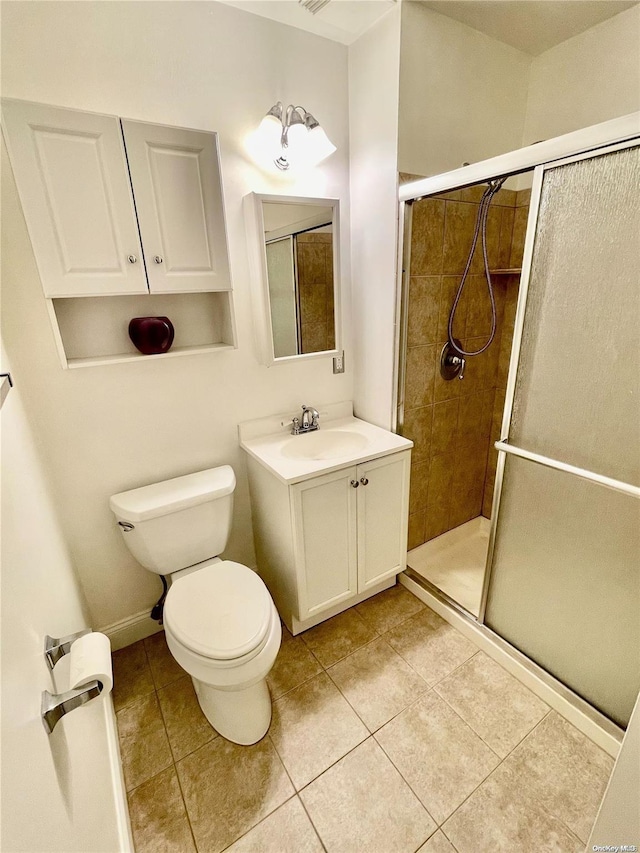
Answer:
(391, 733)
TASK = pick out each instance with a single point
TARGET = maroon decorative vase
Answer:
(151, 335)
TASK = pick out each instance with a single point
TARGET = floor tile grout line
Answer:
(540, 803)
(133, 701)
(483, 739)
(407, 783)
(291, 689)
(174, 767)
(495, 770)
(488, 776)
(191, 751)
(377, 729)
(184, 803)
(261, 821)
(442, 830)
(315, 828)
(433, 684)
(333, 764)
(265, 737)
(280, 758)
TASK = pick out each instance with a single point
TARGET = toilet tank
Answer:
(170, 525)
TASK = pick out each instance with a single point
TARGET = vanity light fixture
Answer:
(292, 137)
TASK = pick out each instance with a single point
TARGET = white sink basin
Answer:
(327, 444)
(342, 440)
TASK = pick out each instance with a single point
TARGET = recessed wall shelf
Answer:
(509, 271)
(94, 330)
(122, 357)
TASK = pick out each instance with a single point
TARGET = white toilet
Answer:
(220, 622)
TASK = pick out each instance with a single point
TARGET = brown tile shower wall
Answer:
(315, 283)
(451, 423)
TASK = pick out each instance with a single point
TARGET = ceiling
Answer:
(532, 26)
(340, 20)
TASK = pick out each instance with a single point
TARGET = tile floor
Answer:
(391, 733)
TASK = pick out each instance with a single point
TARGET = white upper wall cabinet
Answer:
(89, 197)
(178, 192)
(72, 177)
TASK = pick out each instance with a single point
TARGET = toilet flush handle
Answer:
(126, 526)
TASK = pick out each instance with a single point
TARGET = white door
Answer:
(58, 791)
(178, 191)
(383, 500)
(72, 178)
(324, 515)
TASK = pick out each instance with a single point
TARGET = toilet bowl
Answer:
(220, 621)
(223, 629)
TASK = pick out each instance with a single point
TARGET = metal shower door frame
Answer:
(615, 134)
(502, 445)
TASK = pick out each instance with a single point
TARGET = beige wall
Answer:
(462, 94)
(374, 62)
(105, 429)
(590, 78)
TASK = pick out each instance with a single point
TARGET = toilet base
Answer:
(241, 716)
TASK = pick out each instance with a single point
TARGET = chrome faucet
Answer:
(308, 422)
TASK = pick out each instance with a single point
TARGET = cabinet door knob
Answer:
(132, 259)
(158, 259)
(355, 484)
(364, 481)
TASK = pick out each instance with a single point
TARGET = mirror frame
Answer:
(260, 284)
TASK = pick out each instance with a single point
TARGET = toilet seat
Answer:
(222, 612)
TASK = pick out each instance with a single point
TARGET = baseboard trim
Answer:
(130, 630)
(575, 710)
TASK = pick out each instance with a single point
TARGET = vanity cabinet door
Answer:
(72, 178)
(383, 501)
(324, 527)
(178, 190)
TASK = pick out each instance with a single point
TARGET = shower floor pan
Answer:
(455, 562)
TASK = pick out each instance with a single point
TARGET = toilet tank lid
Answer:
(174, 495)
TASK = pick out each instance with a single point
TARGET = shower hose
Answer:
(481, 228)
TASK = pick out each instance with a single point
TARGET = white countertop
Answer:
(270, 442)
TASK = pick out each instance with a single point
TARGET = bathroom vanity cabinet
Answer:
(126, 211)
(326, 541)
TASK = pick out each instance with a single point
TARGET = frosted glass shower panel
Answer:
(577, 397)
(565, 585)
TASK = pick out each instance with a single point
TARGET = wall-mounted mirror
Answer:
(294, 246)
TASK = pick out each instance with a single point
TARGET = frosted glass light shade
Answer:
(268, 136)
(318, 147)
(305, 142)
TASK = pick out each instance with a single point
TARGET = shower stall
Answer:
(454, 417)
(525, 481)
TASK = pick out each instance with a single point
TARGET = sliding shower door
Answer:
(564, 583)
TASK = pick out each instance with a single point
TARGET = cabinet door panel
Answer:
(324, 516)
(382, 518)
(72, 179)
(176, 179)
